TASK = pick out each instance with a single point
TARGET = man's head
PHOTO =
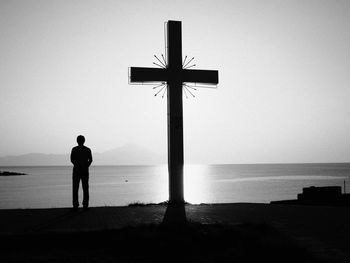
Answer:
(80, 140)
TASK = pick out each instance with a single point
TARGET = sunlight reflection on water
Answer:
(122, 185)
(196, 183)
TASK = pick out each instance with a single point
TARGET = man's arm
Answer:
(72, 157)
(90, 158)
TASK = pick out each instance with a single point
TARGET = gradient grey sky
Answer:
(283, 69)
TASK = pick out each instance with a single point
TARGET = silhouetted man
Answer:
(81, 158)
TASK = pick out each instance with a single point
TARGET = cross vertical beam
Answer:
(175, 113)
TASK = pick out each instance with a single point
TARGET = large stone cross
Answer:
(174, 75)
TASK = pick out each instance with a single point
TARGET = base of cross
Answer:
(175, 214)
(176, 202)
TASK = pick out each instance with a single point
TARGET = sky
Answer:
(283, 88)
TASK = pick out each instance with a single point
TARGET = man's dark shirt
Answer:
(81, 158)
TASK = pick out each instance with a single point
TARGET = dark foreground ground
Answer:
(194, 233)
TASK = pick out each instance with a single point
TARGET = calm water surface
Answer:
(50, 186)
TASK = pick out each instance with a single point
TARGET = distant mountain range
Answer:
(128, 154)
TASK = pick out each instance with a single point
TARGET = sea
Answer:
(51, 186)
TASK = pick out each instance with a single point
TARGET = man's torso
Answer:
(81, 158)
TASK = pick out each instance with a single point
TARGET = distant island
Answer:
(6, 173)
(128, 154)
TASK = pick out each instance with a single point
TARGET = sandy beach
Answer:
(321, 231)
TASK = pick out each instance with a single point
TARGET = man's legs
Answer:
(76, 180)
(85, 184)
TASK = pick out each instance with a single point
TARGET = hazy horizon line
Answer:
(261, 163)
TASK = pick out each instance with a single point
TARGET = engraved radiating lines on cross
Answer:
(188, 90)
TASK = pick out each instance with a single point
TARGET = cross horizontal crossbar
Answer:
(200, 76)
(139, 74)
